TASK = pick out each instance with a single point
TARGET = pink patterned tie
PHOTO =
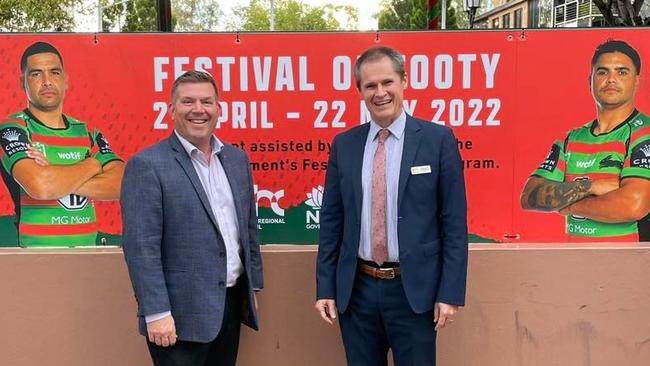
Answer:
(378, 234)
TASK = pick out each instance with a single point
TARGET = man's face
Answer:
(382, 90)
(44, 81)
(194, 110)
(614, 80)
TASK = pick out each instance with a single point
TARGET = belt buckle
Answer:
(386, 273)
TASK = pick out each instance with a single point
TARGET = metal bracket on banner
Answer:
(376, 36)
(509, 236)
(95, 39)
(237, 39)
(522, 35)
(510, 37)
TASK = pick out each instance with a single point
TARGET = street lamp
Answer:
(470, 7)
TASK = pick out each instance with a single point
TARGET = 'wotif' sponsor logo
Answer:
(585, 163)
(70, 155)
(314, 200)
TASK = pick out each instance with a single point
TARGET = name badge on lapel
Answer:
(422, 169)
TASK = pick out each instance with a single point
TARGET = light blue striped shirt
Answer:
(394, 146)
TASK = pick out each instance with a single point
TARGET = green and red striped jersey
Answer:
(621, 153)
(68, 221)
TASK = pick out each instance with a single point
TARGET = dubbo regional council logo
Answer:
(314, 201)
(274, 203)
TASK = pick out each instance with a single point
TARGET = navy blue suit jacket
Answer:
(432, 217)
(174, 250)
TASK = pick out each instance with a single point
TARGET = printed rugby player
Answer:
(598, 176)
(54, 166)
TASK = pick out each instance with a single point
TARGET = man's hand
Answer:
(601, 186)
(37, 155)
(162, 332)
(443, 314)
(327, 309)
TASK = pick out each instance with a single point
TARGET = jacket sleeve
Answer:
(331, 230)
(453, 222)
(256, 272)
(142, 220)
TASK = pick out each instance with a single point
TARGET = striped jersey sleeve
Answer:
(637, 160)
(101, 148)
(554, 166)
(15, 141)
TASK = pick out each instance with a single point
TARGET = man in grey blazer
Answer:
(190, 235)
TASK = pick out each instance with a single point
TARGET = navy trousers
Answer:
(379, 318)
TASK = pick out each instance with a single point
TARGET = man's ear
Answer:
(22, 81)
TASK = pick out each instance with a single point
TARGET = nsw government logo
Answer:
(314, 201)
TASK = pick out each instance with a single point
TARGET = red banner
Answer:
(507, 95)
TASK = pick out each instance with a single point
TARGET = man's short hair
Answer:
(194, 76)
(36, 48)
(376, 53)
(614, 45)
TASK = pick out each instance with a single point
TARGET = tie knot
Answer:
(383, 135)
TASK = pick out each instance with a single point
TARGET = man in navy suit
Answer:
(392, 258)
(190, 235)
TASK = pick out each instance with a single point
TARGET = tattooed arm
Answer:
(629, 203)
(541, 194)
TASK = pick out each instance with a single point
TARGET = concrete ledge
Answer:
(527, 305)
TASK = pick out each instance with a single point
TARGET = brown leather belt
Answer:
(381, 273)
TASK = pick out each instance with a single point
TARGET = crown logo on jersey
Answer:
(11, 135)
(646, 150)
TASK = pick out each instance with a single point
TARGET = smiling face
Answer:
(382, 89)
(45, 82)
(194, 110)
(614, 81)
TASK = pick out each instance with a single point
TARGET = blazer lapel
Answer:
(186, 164)
(358, 144)
(232, 170)
(411, 144)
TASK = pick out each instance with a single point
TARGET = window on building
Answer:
(495, 23)
(518, 19)
(506, 20)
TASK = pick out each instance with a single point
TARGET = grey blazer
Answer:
(173, 248)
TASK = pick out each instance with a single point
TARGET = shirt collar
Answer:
(396, 128)
(217, 145)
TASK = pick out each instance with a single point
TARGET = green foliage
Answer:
(411, 15)
(292, 15)
(37, 15)
(130, 16)
(195, 15)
